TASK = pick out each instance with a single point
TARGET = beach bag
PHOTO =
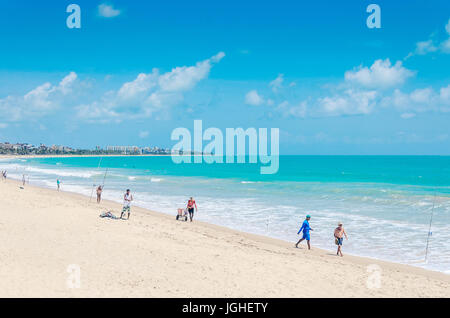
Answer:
(108, 215)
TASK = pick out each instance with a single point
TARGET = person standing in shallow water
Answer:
(305, 229)
(58, 184)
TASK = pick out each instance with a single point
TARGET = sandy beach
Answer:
(45, 234)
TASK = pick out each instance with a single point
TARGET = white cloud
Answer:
(253, 98)
(419, 100)
(299, 110)
(444, 94)
(425, 47)
(364, 90)
(445, 46)
(38, 102)
(421, 95)
(107, 11)
(142, 84)
(407, 115)
(66, 84)
(3, 125)
(277, 83)
(148, 93)
(143, 134)
(216, 58)
(184, 78)
(349, 103)
(380, 75)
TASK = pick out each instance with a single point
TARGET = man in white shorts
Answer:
(127, 198)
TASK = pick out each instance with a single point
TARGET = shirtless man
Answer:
(339, 234)
(127, 198)
(190, 207)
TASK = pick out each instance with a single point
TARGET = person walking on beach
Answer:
(23, 180)
(99, 193)
(339, 234)
(58, 184)
(190, 207)
(127, 198)
(305, 228)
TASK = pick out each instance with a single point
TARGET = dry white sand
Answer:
(43, 233)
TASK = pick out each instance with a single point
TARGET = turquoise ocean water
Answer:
(385, 202)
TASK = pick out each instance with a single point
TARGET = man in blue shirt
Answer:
(305, 228)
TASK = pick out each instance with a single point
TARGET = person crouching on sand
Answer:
(305, 228)
(339, 234)
(127, 198)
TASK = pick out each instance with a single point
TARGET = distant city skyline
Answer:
(23, 148)
(136, 71)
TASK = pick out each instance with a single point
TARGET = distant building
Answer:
(124, 149)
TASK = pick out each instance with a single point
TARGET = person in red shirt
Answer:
(190, 207)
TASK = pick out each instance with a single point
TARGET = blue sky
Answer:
(136, 70)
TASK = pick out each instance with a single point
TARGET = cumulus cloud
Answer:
(425, 47)
(253, 98)
(382, 74)
(349, 103)
(107, 11)
(277, 83)
(419, 100)
(431, 45)
(143, 134)
(445, 46)
(363, 91)
(444, 94)
(38, 102)
(298, 110)
(148, 93)
(184, 78)
(407, 115)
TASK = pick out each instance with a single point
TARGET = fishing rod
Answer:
(429, 228)
(104, 177)
(93, 185)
